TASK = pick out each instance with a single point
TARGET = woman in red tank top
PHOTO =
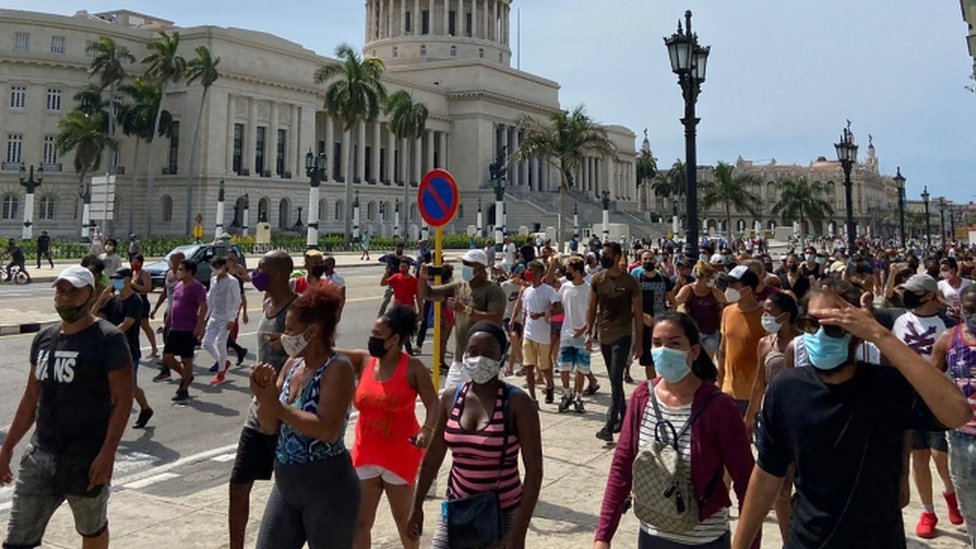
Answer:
(389, 441)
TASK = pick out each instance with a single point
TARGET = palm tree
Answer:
(670, 184)
(565, 140)
(84, 134)
(166, 67)
(108, 64)
(204, 69)
(646, 172)
(90, 101)
(801, 200)
(732, 191)
(354, 94)
(139, 119)
(408, 120)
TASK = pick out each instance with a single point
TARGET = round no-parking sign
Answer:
(438, 197)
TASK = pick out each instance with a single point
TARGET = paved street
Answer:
(170, 479)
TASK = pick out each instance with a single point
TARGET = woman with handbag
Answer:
(486, 424)
(680, 434)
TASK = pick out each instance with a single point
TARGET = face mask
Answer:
(732, 295)
(136, 267)
(606, 262)
(293, 345)
(911, 300)
(821, 261)
(376, 346)
(317, 271)
(109, 249)
(670, 364)
(73, 314)
(710, 283)
(481, 369)
(261, 280)
(970, 321)
(810, 257)
(792, 268)
(648, 267)
(467, 273)
(528, 277)
(770, 324)
(825, 352)
(118, 285)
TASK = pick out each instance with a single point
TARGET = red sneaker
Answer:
(219, 378)
(926, 525)
(955, 517)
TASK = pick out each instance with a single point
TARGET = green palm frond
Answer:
(84, 134)
(355, 92)
(109, 61)
(408, 119)
(800, 200)
(203, 68)
(165, 63)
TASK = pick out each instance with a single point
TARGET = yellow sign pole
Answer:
(438, 334)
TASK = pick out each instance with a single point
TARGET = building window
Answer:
(22, 41)
(53, 103)
(481, 53)
(15, 148)
(9, 207)
(339, 212)
(50, 154)
(322, 212)
(259, 149)
(280, 153)
(453, 51)
(467, 24)
(284, 210)
(368, 164)
(423, 50)
(452, 23)
(396, 51)
(263, 206)
(90, 51)
(238, 148)
(501, 57)
(174, 149)
(57, 45)
(18, 97)
(47, 208)
(370, 211)
(425, 22)
(408, 23)
(167, 203)
(337, 162)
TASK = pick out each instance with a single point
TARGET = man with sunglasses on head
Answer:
(841, 423)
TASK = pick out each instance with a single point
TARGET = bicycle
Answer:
(17, 274)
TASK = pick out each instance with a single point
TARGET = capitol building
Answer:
(265, 112)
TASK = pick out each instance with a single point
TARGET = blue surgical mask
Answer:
(118, 284)
(467, 273)
(825, 352)
(670, 364)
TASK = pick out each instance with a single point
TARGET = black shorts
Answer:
(513, 327)
(181, 344)
(930, 440)
(146, 307)
(255, 457)
(556, 328)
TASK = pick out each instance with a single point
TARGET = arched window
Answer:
(264, 210)
(423, 50)
(339, 212)
(396, 51)
(387, 211)
(47, 207)
(481, 53)
(10, 203)
(371, 211)
(453, 51)
(322, 211)
(284, 209)
(501, 57)
(771, 191)
(167, 204)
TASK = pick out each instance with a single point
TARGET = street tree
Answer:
(731, 190)
(203, 68)
(800, 200)
(83, 133)
(108, 65)
(646, 171)
(408, 120)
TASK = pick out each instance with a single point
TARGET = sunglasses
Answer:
(810, 324)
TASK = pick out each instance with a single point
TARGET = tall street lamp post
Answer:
(219, 222)
(30, 184)
(606, 216)
(498, 184)
(928, 230)
(355, 216)
(847, 155)
(688, 61)
(315, 170)
(900, 181)
(84, 193)
(952, 224)
(942, 226)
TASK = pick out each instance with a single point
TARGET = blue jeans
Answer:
(617, 356)
(962, 466)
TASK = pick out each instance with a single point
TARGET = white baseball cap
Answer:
(78, 276)
(475, 256)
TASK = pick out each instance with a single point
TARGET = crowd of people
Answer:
(849, 372)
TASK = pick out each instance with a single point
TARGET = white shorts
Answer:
(366, 472)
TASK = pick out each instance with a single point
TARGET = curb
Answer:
(25, 328)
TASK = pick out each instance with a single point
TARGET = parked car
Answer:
(203, 254)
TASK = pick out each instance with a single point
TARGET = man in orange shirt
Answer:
(405, 289)
(741, 331)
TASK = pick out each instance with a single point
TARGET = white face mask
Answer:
(293, 345)
(481, 369)
(732, 295)
(770, 324)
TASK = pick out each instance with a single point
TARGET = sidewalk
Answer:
(575, 466)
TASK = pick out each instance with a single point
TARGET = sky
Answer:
(783, 76)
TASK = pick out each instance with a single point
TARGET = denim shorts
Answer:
(962, 466)
(574, 359)
(36, 498)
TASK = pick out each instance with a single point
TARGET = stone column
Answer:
(360, 153)
(344, 155)
(504, 24)
(390, 19)
(329, 147)
(381, 10)
(474, 18)
(252, 135)
(418, 149)
(416, 19)
(443, 150)
(404, 161)
(369, 21)
(230, 134)
(430, 150)
(391, 174)
(430, 18)
(403, 18)
(272, 155)
(447, 17)
(375, 153)
(515, 172)
(292, 154)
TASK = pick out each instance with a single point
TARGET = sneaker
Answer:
(591, 390)
(955, 517)
(926, 525)
(163, 375)
(565, 402)
(143, 418)
(218, 379)
(241, 353)
(578, 406)
(549, 397)
(604, 435)
(214, 369)
(181, 395)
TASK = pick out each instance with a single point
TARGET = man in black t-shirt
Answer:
(16, 257)
(79, 395)
(842, 425)
(44, 249)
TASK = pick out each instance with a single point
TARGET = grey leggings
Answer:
(315, 502)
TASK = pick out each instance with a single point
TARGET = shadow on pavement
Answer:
(580, 522)
(146, 445)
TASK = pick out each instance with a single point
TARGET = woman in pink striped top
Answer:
(479, 421)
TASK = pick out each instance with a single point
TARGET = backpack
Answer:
(663, 495)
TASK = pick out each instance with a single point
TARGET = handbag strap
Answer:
(691, 418)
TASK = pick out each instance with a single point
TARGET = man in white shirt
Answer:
(513, 326)
(223, 304)
(919, 328)
(573, 356)
(541, 302)
(952, 285)
(508, 251)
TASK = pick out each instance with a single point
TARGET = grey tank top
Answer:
(268, 354)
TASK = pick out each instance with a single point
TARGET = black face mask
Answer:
(317, 271)
(792, 268)
(376, 346)
(606, 262)
(912, 300)
(648, 266)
